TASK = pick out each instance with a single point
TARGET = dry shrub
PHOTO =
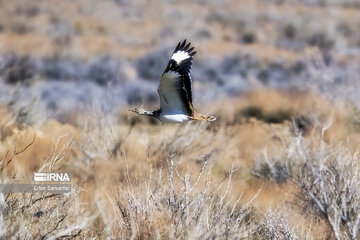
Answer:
(276, 226)
(179, 206)
(39, 215)
(327, 174)
(143, 181)
(42, 216)
(29, 150)
(180, 199)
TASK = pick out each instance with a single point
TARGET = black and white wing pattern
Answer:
(175, 84)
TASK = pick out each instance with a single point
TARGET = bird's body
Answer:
(175, 90)
(174, 118)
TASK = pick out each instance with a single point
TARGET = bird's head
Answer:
(140, 111)
(137, 110)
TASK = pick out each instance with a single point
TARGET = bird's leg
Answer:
(202, 117)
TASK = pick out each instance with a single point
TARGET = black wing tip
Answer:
(186, 47)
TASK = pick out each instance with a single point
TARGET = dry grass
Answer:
(135, 179)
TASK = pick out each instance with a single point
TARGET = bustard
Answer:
(175, 89)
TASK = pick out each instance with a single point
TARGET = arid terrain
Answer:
(280, 162)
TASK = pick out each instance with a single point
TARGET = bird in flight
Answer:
(175, 89)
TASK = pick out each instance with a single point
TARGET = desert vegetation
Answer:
(280, 162)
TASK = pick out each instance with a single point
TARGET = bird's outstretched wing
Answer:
(175, 84)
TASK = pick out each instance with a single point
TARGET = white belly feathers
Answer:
(174, 118)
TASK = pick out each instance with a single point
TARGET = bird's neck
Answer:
(147, 113)
(151, 113)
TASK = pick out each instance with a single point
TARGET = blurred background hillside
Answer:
(280, 162)
(63, 54)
